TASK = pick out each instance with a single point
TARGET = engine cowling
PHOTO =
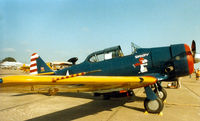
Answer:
(183, 61)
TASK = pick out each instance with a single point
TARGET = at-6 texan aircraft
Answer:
(111, 74)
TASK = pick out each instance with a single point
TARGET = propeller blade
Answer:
(196, 56)
(193, 47)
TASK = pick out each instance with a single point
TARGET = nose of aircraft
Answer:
(197, 58)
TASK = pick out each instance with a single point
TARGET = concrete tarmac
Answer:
(182, 104)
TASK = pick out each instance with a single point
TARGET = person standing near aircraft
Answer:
(197, 74)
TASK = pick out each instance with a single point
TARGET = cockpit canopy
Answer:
(106, 54)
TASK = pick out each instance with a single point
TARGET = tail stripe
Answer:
(34, 56)
(34, 59)
(33, 62)
(33, 66)
(34, 70)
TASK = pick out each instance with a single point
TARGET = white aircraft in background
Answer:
(11, 65)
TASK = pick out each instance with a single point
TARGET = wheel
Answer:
(162, 94)
(153, 106)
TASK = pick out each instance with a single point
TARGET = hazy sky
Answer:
(60, 29)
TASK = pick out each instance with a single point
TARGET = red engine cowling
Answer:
(183, 60)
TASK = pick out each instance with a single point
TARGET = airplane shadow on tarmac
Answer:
(90, 108)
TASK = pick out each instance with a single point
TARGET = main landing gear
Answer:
(160, 91)
(152, 103)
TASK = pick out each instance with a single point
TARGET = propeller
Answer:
(195, 55)
(193, 47)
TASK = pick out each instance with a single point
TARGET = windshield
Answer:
(134, 47)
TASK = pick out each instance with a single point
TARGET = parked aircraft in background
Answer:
(10, 65)
(25, 68)
(111, 74)
(57, 65)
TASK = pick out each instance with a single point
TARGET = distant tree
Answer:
(9, 59)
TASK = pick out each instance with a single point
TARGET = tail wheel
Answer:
(162, 94)
(153, 106)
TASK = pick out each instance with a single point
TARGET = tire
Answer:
(162, 94)
(153, 106)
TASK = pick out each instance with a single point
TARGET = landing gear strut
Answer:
(160, 91)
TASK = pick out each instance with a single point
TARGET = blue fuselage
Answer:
(152, 62)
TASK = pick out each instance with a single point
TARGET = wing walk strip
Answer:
(73, 75)
(65, 77)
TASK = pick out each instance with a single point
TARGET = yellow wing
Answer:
(77, 82)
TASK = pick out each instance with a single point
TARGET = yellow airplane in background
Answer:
(25, 68)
